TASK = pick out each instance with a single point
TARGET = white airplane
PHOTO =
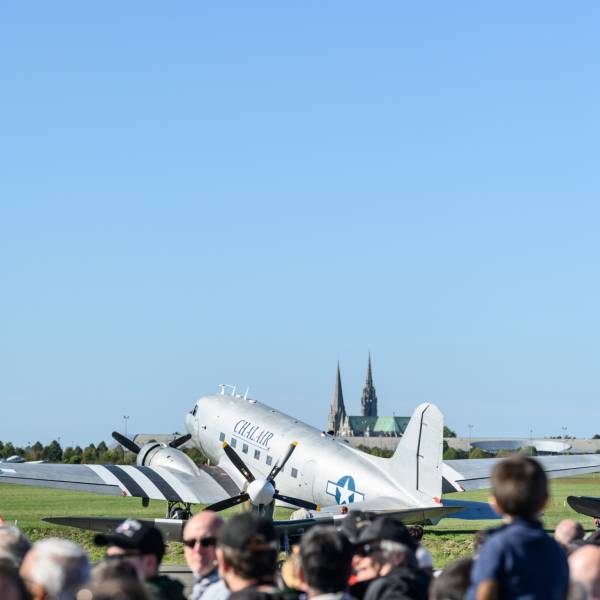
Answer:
(263, 456)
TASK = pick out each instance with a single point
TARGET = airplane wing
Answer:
(212, 484)
(474, 474)
(172, 529)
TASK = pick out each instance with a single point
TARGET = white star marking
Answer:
(345, 492)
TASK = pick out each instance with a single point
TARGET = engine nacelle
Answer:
(155, 454)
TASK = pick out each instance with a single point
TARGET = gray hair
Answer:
(14, 544)
(396, 553)
(59, 566)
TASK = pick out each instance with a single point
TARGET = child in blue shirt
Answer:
(519, 560)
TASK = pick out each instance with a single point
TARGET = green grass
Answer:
(450, 539)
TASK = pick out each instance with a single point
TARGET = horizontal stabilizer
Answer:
(390, 507)
(472, 511)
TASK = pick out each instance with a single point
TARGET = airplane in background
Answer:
(262, 456)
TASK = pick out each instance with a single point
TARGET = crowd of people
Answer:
(366, 558)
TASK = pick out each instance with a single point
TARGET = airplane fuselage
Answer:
(323, 469)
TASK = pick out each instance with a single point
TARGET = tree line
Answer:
(455, 453)
(75, 455)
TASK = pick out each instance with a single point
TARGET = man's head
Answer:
(519, 487)
(200, 542)
(247, 548)
(326, 560)
(569, 531)
(383, 545)
(14, 544)
(584, 566)
(139, 543)
(55, 568)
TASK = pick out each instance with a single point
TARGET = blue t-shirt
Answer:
(525, 562)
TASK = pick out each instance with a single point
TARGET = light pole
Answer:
(564, 430)
(470, 432)
(125, 418)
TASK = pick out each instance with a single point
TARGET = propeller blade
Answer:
(228, 503)
(126, 442)
(277, 468)
(297, 502)
(180, 440)
(238, 462)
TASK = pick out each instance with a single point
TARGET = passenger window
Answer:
(233, 442)
(256, 454)
(221, 437)
(294, 473)
(245, 448)
(269, 460)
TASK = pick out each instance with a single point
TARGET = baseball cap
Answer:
(248, 531)
(132, 534)
(354, 523)
(386, 528)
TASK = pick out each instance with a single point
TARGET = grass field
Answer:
(450, 539)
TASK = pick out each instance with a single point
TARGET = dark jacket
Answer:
(162, 587)
(401, 583)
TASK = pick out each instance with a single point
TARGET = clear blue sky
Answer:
(198, 193)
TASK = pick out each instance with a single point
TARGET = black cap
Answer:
(386, 528)
(248, 531)
(354, 523)
(134, 535)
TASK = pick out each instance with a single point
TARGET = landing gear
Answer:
(178, 510)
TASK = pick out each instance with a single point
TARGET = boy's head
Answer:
(519, 486)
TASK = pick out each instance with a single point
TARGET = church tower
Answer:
(337, 411)
(368, 402)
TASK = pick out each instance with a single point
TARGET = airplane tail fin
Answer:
(417, 461)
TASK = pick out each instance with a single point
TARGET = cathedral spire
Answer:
(337, 411)
(368, 401)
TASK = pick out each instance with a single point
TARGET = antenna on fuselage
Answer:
(222, 387)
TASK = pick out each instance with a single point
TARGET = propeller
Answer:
(180, 440)
(260, 492)
(278, 467)
(131, 445)
(125, 441)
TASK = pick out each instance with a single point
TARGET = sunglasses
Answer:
(205, 542)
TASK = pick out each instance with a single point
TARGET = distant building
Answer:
(368, 423)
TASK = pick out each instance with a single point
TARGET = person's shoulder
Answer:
(165, 588)
(217, 590)
(399, 583)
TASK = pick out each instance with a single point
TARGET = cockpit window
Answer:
(195, 410)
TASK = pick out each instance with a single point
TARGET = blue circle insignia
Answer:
(345, 488)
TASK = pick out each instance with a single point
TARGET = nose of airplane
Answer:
(261, 491)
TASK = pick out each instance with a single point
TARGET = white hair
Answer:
(396, 553)
(14, 544)
(59, 566)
